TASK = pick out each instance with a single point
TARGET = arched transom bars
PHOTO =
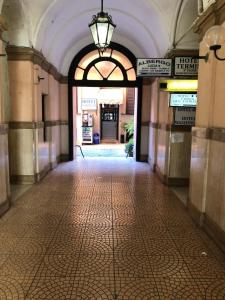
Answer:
(111, 65)
(115, 67)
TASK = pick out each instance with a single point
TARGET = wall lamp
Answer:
(214, 39)
(40, 78)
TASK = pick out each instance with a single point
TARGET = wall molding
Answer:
(30, 125)
(213, 134)
(172, 128)
(4, 129)
(26, 125)
(145, 123)
(19, 53)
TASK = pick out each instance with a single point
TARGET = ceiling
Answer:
(59, 28)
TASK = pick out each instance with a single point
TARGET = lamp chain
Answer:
(101, 5)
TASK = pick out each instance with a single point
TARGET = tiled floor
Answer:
(105, 229)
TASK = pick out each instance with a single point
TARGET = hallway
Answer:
(105, 229)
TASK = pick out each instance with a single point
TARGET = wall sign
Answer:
(156, 67)
(89, 104)
(177, 137)
(186, 66)
(207, 3)
(183, 100)
(184, 116)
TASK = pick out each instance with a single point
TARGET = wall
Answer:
(31, 157)
(4, 114)
(167, 155)
(207, 189)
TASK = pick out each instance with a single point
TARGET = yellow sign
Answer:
(171, 85)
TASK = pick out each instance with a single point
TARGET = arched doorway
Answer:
(114, 68)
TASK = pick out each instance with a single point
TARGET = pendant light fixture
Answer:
(102, 28)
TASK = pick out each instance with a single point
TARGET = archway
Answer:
(89, 64)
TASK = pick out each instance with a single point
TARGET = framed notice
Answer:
(184, 116)
(154, 67)
(186, 66)
(183, 100)
(88, 104)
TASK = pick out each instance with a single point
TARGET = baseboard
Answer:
(197, 216)
(53, 165)
(39, 176)
(215, 232)
(171, 181)
(64, 158)
(4, 207)
(152, 166)
(144, 157)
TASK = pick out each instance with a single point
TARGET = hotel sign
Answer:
(89, 104)
(186, 66)
(185, 116)
(154, 67)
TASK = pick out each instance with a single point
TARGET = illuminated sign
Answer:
(173, 85)
(183, 100)
(156, 67)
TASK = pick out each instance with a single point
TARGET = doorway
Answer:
(115, 69)
(109, 122)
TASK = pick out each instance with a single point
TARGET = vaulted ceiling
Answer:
(59, 28)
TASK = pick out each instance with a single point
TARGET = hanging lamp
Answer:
(102, 28)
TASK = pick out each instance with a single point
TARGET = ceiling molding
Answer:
(17, 53)
(213, 15)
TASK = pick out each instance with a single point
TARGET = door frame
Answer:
(138, 83)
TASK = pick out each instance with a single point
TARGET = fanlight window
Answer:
(111, 65)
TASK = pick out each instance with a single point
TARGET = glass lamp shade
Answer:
(215, 36)
(102, 30)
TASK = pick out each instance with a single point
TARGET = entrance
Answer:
(109, 122)
(114, 69)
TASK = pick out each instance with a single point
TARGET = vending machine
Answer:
(87, 128)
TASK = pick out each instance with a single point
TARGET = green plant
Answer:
(129, 127)
(129, 147)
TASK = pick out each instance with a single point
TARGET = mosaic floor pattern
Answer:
(101, 228)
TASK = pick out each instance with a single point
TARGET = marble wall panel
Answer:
(21, 147)
(215, 190)
(180, 155)
(43, 151)
(152, 153)
(162, 151)
(198, 172)
(4, 169)
(64, 139)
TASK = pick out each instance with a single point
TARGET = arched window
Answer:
(111, 66)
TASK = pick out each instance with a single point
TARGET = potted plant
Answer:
(129, 127)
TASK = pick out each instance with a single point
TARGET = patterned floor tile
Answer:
(14, 288)
(171, 288)
(60, 265)
(212, 288)
(53, 288)
(205, 267)
(136, 289)
(89, 288)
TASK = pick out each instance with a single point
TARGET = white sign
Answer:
(88, 104)
(156, 67)
(183, 100)
(177, 137)
(186, 66)
(207, 3)
(184, 116)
